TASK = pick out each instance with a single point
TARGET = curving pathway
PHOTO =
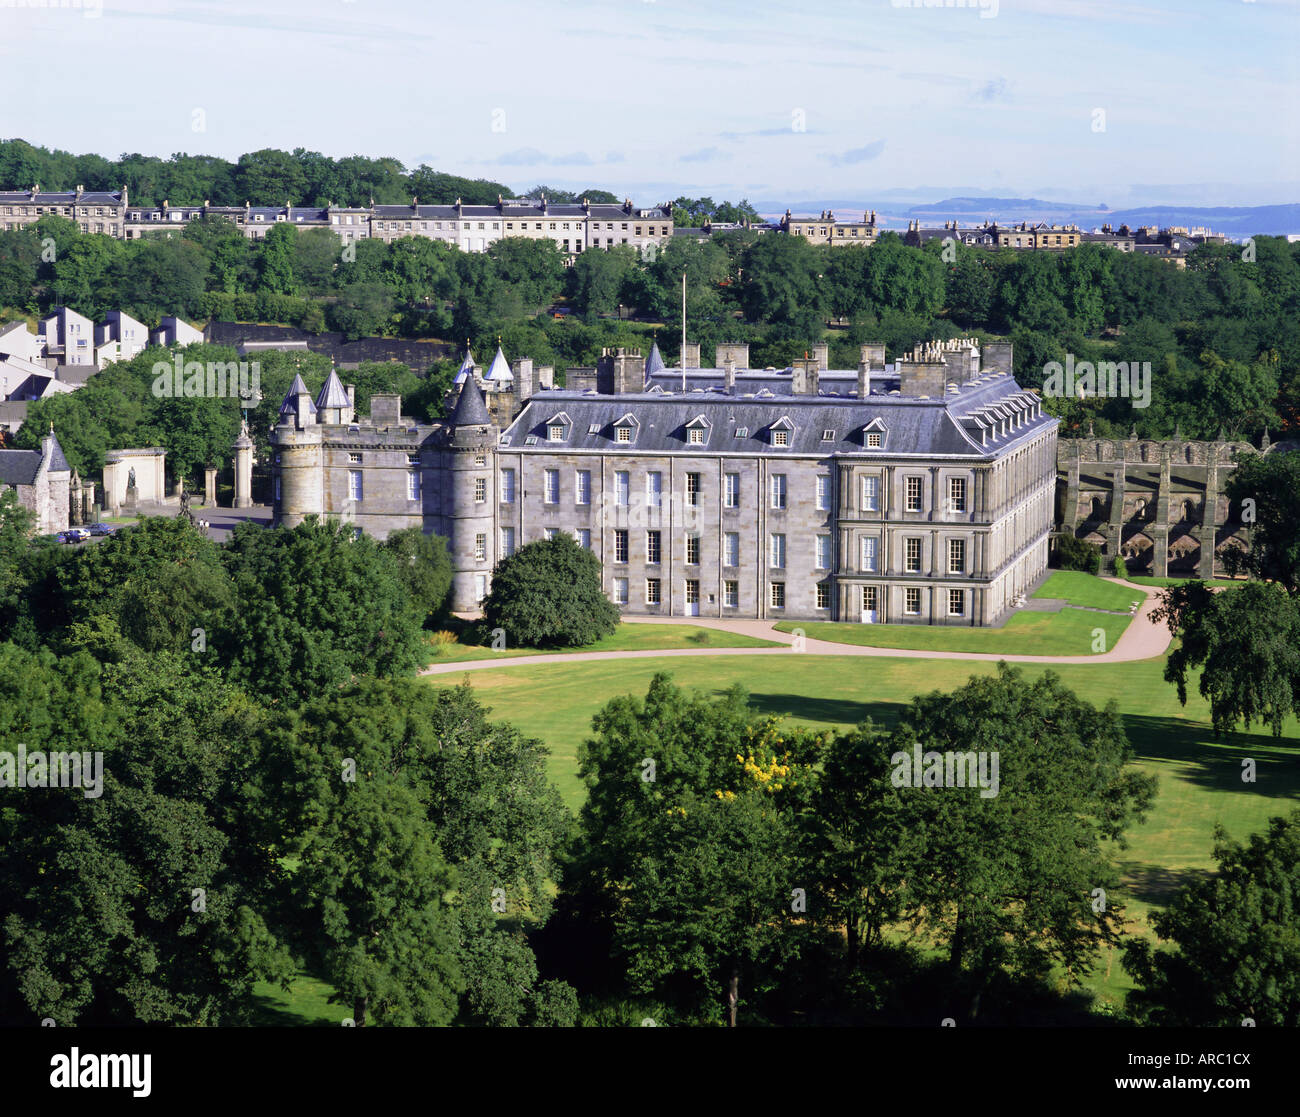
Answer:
(1142, 639)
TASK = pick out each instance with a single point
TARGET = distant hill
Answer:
(1235, 221)
(1238, 221)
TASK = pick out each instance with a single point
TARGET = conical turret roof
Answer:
(655, 362)
(333, 394)
(471, 408)
(290, 404)
(499, 370)
(466, 367)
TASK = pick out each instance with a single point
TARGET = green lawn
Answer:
(1199, 778)
(1069, 632)
(306, 1004)
(1160, 583)
(1087, 590)
(627, 638)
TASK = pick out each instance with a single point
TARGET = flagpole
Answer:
(683, 329)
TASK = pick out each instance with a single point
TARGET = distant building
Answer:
(119, 338)
(67, 337)
(93, 211)
(173, 332)
(825, 229)
(42, 479)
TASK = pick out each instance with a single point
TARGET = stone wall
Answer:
(1158, 504)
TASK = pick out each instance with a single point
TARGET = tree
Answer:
(1267, 488)
(424, 565)
(478, 791)
(1236, 938)
(315, 606)
(138, 902)
(597, 280)
(689, 849)
(1246, 643)
(362, 310)
(855, 832)
(1062, 789)
(782, 286)
(157, 584)
(549, 594)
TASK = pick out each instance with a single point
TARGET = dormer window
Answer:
(875, 440)
(625, 429)
(697, 431)
(873, 435)
(557, 428)
(781, 431)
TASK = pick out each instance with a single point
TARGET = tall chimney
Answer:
(729, 375)
(524, 384)
(822, 354)
(691, 355)
(864, 379)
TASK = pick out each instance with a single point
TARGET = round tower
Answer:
(472, 513)
(297, 460)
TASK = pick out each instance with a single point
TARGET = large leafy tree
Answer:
(315, 606)
(425, 567)
(478, 790)
(160, 584)
(1246, 643)
(1264, 492)
(138, 905)
(1006, 882)
(689, 850)
(1235, 940)
(548, 594)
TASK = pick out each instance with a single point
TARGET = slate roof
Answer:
(18, 467)
(973, 422)
(61, 198)
(57, 462)
(290, 404)
(655, 362)
(333, 394)
(530, 211)
(471, 408)
(499, 370)
(466, 367)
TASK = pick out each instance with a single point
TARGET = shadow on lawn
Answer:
(1217, 763)
(801, 707)
(1156, 885)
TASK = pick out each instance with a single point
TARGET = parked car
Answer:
(102, 529)
(76, 535)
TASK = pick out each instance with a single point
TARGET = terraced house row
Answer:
(918, 491)
(574, 227)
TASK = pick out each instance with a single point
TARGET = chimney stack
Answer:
(524, 380)
(864, 379)
(729, 375)
(822, 355)
(691, 355)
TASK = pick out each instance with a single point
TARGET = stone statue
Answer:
(185, 513)
(130, 479)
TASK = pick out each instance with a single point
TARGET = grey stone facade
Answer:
(917, 492)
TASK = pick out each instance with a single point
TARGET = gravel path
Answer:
(1142, 639)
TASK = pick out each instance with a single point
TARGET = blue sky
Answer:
(853, 100)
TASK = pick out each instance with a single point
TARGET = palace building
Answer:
(914, 491)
